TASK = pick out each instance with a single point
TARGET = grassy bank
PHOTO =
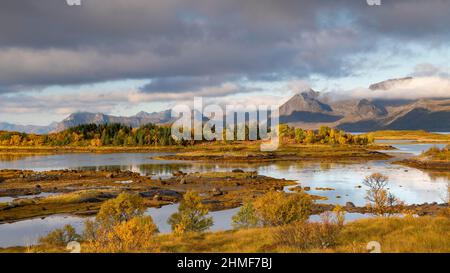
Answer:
(418, 135)
(423, 234)
(286, 152)
(434, 159)
(395, 235)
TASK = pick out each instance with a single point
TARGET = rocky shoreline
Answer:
(82, 192)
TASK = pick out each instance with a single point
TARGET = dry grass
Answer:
(424, 234)
(419, 135)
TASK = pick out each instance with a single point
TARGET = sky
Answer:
(121, 57)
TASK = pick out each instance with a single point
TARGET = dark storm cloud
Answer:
(193, 43)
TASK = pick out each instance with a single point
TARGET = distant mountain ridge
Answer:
(79, 118)
(361, 115)
(308, 109)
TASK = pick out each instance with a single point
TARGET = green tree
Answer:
(60, 237)
(245, 217)
(191, 215)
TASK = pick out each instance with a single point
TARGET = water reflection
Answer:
(409, 184)
(7, 199)
(27, 232)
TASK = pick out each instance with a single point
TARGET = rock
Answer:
(350, 205)
(307, 188)
(38, 187)
(183, 181)
(109, 175)
(178, 173)
(156, 197)
(237, 171)
(217, 192)
(296, 189)
(338, 197)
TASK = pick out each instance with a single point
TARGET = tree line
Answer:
(160, 135)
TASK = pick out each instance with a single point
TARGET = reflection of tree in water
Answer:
(14, 157)
(437, 175)
(325, 166)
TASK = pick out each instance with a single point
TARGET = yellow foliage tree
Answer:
(278, 208)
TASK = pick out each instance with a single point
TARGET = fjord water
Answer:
(411, 185)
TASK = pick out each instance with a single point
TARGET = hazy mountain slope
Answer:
(137, 120)
(32, 129)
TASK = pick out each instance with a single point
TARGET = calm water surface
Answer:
(409, 184)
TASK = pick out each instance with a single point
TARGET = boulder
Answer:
(349, 205)
(217, 192)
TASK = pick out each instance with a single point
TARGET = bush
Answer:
(278, 208)
(191, 215)
(121, 209)
(60, 237)
(304, 235)
(245, 218)
(132, 235)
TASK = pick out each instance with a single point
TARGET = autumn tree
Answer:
(278, 208)
(191, 215)
(381, 201)
(245, 217)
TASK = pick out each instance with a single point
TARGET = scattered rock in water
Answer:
(237, 171)
(338, 196)
(324, 189)
(359, 186)
(350, 205)
(307, 188)
(296, 189)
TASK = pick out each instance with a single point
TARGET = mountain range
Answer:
(308, 109)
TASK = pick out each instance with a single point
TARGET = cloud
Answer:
(189, 44)
(107, 101)
(416, 88)
(428, 70)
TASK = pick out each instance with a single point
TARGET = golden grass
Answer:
(418, 135)
(423, 234)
